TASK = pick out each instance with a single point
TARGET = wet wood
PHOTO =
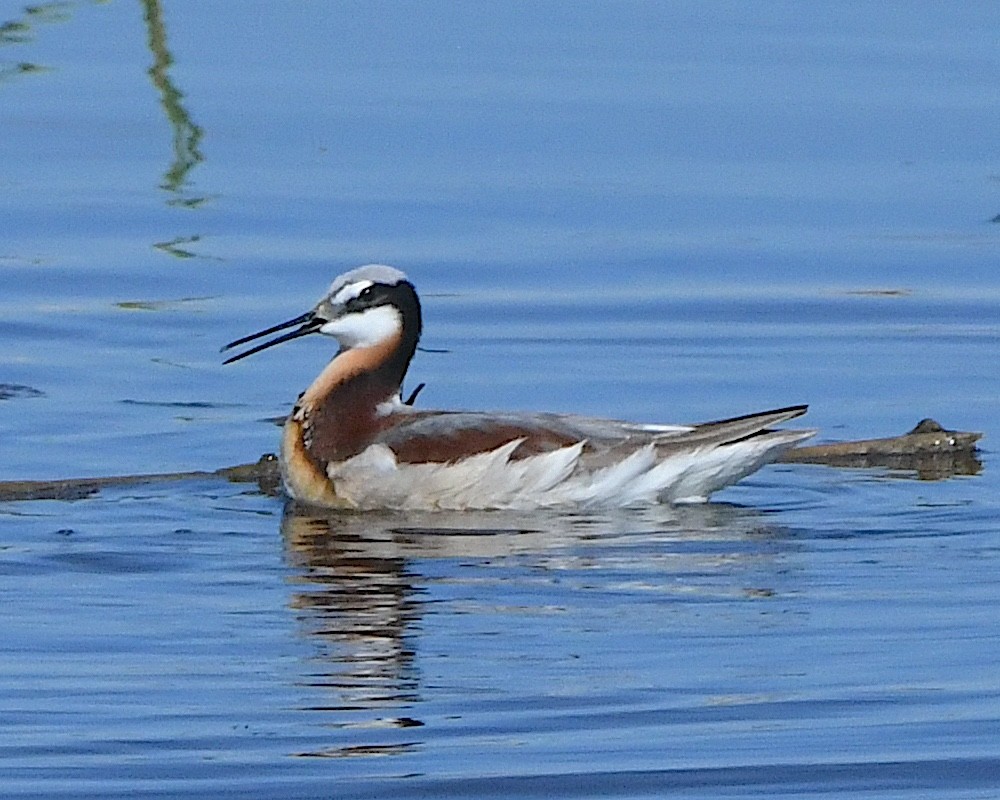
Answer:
(929, 450)
(264, 472)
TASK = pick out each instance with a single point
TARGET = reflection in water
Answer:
(174, 246)
(19, 31)
(186, 135)
(929, 467)
(357, 600)
(359, 595)
(366, 588)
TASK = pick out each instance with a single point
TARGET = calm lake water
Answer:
(667, 212)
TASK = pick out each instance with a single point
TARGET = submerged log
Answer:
(78, 488)
(264, 473)
(929, 450)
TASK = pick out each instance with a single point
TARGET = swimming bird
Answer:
(351, 442)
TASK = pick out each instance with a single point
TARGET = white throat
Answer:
(365, 328)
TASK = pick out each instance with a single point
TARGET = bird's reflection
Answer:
(358, 600)
(365, 587)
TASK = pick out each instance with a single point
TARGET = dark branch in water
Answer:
(931, 451)
(264, 472)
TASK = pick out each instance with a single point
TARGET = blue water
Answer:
(668, 212)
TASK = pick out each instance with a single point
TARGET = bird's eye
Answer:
(366, 293)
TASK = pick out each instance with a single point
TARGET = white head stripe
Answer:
(349, 292)
(374, 273)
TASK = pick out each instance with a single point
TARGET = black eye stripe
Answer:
(379, 294)
(368, 297)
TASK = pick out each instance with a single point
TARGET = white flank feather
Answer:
(651, 485)
(605, 486)
(721, 466)
(373, 479)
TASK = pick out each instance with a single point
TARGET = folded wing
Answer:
(522, 460)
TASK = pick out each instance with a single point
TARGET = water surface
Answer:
(666, 213)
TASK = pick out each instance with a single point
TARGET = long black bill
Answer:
(309, 322)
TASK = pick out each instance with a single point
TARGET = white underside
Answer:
(374, 480)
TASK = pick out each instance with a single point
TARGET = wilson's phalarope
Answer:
(350, 441)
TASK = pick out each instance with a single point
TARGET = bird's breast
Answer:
(305, 476)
